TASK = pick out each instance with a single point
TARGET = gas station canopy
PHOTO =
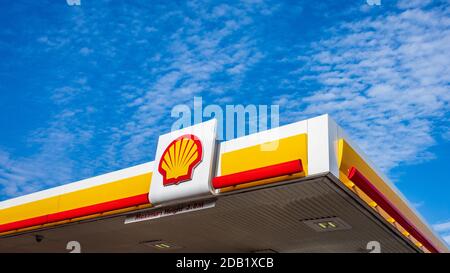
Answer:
(302, 187)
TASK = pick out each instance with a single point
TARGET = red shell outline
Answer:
(188, 176)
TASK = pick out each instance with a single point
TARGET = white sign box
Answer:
(184, 163)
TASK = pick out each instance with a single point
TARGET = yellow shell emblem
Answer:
(179, 159)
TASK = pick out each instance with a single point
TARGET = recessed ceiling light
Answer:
(327, 224)
(161, 245)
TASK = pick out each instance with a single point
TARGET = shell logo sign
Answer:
(184, 164)
(179, 159)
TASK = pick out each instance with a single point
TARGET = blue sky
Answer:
(87, 89)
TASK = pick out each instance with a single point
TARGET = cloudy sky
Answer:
(87, 89)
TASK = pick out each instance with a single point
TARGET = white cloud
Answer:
(407, 4)
(446, 239)
(151, 29)
(442, 227)
(385, 79)
(446, 133)
(85, 51)
(418, 205)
